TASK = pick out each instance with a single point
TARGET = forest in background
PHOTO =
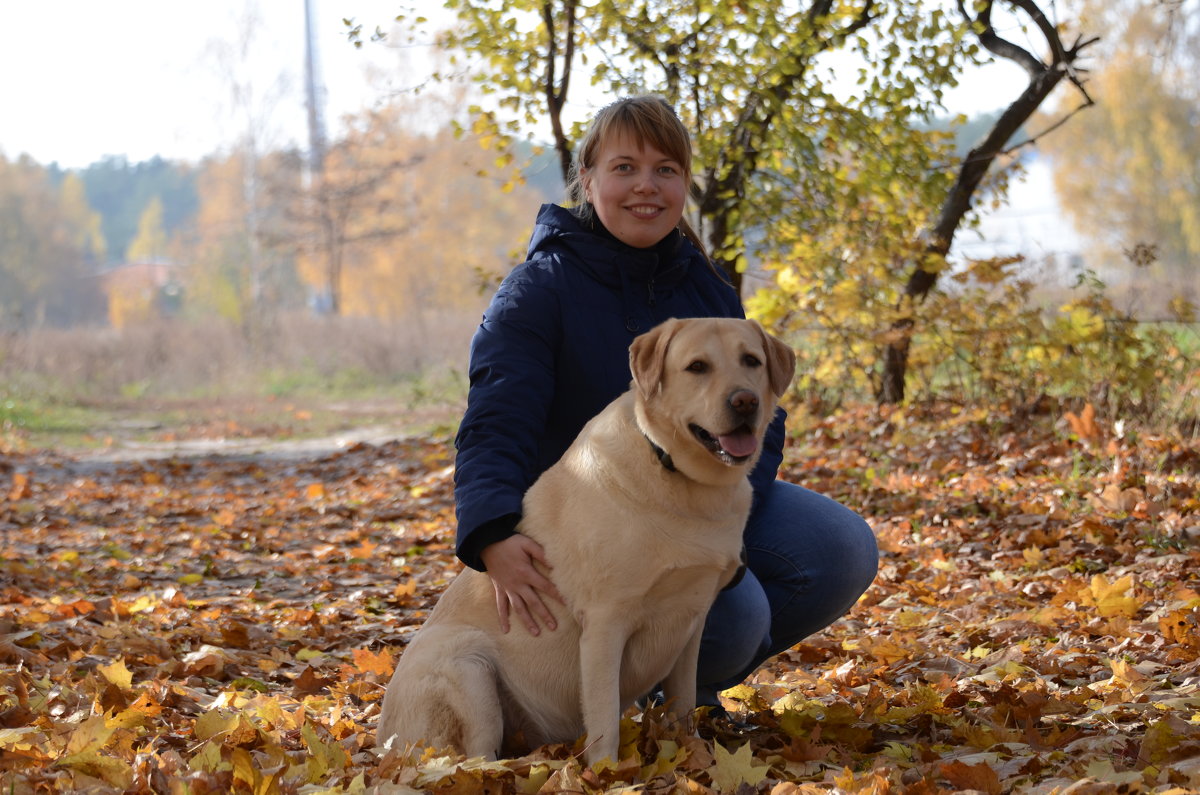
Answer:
(404, 230)
(215, 606)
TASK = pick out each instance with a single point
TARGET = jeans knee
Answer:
(736, 631)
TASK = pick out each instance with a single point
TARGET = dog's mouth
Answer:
(733, 448)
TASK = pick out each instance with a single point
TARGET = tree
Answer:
(1130, 176)
(217, 246)
(50, 244)
(150, 243)
(748, 77)
(120, 191)
(786, 154)
(1045, 73)
(401, 221)
(347, 203)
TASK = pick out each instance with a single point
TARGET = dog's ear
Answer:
(647, 355)
(781, 361)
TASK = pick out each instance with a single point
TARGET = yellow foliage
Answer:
(421, 231)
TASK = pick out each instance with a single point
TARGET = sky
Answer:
(81, 79)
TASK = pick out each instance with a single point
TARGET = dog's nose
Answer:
(743, 402)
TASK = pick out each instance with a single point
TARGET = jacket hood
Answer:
(604, 257)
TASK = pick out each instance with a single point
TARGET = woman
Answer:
(552, 351)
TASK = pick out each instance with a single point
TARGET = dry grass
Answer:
(174, 358)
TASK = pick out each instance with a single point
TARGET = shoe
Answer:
(719, 723)
(654, 698)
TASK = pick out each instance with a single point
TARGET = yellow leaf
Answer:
(1114, 599)
(209, 759)
(213, 723)
(191, 579)
(91, 735)
(117, 674)
(15, 738)
(113, 771)
(323, 757)
(307, 655)
(733, 770)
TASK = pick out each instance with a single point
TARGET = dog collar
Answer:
(664, 457)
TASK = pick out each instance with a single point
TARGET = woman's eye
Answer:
(697, 367)
(668, 170)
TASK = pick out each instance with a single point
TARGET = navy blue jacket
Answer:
(553, 351)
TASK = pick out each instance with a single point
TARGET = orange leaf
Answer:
(370, 662)
(1084, 425)
(315, 491)
(22, 487)
(979, 777)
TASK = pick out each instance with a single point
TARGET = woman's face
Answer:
(638, 192)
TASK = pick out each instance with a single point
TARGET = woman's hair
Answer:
(647, 119)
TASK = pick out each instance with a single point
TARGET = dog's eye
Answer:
(698, 366)
(750, 360)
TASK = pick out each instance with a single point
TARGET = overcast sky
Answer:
(81, 79)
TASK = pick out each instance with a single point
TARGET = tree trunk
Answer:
(1043, 78)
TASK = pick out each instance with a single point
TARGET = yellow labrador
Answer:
(642, 522)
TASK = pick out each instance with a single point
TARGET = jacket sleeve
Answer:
(511, 375)
(767, 468)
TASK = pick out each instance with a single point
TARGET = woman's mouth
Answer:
(644, 210)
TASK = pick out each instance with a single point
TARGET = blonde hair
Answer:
(647, 119)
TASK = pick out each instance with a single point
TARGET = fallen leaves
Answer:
(229, 625)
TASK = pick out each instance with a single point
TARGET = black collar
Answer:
(664, 457)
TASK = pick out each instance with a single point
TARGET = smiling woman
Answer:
(554, 349)
(637, 190)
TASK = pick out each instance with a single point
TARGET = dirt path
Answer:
(129, 431)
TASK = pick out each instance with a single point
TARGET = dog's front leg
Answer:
(679, 688)
(601, 646)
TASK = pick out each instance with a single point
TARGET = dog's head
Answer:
(706, 389)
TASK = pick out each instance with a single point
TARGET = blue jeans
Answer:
(809, 558)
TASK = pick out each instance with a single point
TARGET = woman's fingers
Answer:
(519, 584)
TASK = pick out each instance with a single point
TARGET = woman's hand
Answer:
(519, 585)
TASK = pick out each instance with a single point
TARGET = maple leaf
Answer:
(731, 770)
(980, 777)
(1006, 612)
(1113, 598)
(370, 662)
(116, 772)
(117, 674)
(1083, 425)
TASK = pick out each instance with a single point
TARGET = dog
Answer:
(641, 521)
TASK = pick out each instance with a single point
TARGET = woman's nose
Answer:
(645, 183)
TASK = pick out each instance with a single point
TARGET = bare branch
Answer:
(1033, 139)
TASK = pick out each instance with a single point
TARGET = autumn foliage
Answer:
(228, 624)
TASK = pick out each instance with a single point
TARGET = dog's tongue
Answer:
(738, 444)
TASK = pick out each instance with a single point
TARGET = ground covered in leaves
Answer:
(227, 624)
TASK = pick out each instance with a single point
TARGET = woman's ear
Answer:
(585, 181)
